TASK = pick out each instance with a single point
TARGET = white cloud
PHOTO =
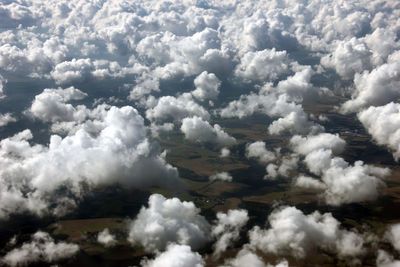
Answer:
(376, 88)
(166, 221)
(198, 130)
(259, 151)
(169, 108)
(207, 86)
(221, 176)
(261, 66)
(245, 257)
(106, 238)
(176, 256)
(384, 259)
(293, 233)
(305, 145)
(393, 235)
(6, 118)
(41, 248)
(309, 182)
(225, 152)
(383, 123)
(227, 229)
(51, 106)
(119, 153)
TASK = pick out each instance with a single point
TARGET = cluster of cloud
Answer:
(167, 221)
(340, 181)
(227, 229)
(41, 179)
(277, 165)
(175, 256)
(41, 248)
(221, 176)
(106, 238)
(293, 233)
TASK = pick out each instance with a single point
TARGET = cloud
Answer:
(227, 229)
(259, 151)
(6, 118)
(119, 153)
(261, 66)
(293, 233)
(106, 238)
(169, 108)
(350, 57)
(393, 235)
(383, 123)
(247, 257)
(345, 183)
(207, 86)
(305, 145)
(176, 256)
(309, 182)
(2, 82)
(384, 259)
(51, 106)
(374, 88)
(221, 176)
(41, 248)
(169, 221)
(225, 152)
(197, 130)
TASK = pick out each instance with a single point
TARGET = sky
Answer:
(87, 87)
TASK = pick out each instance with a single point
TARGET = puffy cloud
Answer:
(169, 108)
(2, 82)
(176, 256)
(198, 130)
(292, 232)
(221, 176)
(118, 153)
(283, 167)
(41, 248)
(207, 85)
(6, 118)
(383, 123)
(106, 238)
(169, 221)
(247, 257)
(393, 235)
(376, 88)
(344, 183)
(261, 66)
(225, 152)
(349, 57)
(51, 106)
(227, 229)
(305, 145)
(259, 151)
(295, 122)
(309, 182)
(384, 259)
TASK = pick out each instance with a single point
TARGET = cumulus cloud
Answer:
(197, 130)
(2, 82)
(176, 256)
(259, 151)
(106, 238)
(309, 182)
(207, 85)
(221, 176)
(41, 248)
(167, 221)
(345, 183)
(169, 108)
(247, 257)
(227, 229)
(393, 235)
(225, 152)
(383, 123)
(51, 106)
(119, 153)
(293, 233)
(374, 88)
(6, 118)
(261, 66)
(384, 259)
(305, 145)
